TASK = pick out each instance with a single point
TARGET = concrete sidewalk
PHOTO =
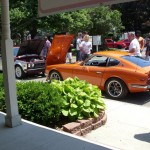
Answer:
(31, 136)
(127, 127)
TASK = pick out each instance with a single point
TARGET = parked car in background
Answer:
(115, 72)
(126, 41)
(27, 58)
(112, 44)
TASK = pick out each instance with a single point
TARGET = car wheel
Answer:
(19, 72)
(54, 75)
(116, 88)
(119, 47)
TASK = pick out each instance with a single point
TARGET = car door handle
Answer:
(98, 72)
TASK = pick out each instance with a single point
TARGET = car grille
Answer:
(39, 65)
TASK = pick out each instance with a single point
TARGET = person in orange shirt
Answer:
(140, 39)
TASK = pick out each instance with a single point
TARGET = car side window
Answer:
(97, 61)
(113, 62)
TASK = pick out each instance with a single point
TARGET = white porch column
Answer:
(12, 118)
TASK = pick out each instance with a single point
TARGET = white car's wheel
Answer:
(116, 88)
(19, 72)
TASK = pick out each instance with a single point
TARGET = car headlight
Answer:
(24, 66)
(29, 65)
(32, 65)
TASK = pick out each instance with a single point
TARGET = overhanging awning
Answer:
(49, 7)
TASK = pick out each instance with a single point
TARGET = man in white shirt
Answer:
(134, 46)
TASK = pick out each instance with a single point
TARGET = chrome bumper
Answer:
(140, 86)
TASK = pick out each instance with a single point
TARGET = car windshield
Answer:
(15, 51)
(140, 61)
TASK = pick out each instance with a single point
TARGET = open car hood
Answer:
(31, 47)
(58, 50)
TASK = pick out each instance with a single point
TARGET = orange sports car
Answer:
(115, 72)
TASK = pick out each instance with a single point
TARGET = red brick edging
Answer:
(82, 127)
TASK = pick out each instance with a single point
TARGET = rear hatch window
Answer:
(140, 61)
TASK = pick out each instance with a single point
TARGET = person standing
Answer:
(78, 42)
(46, 47)
(85, 47)
(147, 39)
(69, 53)
(134, 46)
(147, 53)
(140, 40)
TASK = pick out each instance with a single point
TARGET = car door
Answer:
(92, 70)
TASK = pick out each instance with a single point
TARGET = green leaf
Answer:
(73, 112)
(65, 103)
(87, 103)
(65, 112)
(95, 115)
(79, 102)
(74, 106)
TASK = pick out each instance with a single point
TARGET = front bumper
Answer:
(140, 87)
(32, 70)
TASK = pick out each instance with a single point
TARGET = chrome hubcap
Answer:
(114, 88)
(18, 72)
(55, 76)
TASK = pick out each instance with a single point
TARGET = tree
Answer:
(25, 20)
(135, 15)
(70, 21)
(23, 15)
(105, 21)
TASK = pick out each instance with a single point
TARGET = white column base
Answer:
(13, 121)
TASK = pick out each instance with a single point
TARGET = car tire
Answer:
(119, 47)
(55, 75)
(19, 73)
(116, 88)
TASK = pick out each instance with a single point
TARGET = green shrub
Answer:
(2, 94)
(80, 99)
(37, 103)
(46, 103)
(1, 80)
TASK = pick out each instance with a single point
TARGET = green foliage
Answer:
(2, 95)
(38, 102)
(80, 99)
(46, 103)
(99, 20)
(105, 21)
(135, 15)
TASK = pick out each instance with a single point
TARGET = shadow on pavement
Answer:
(143, 137)
(134, 98)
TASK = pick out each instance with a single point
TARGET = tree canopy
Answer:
(135, 15)
(98, 20)
(101, 20)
